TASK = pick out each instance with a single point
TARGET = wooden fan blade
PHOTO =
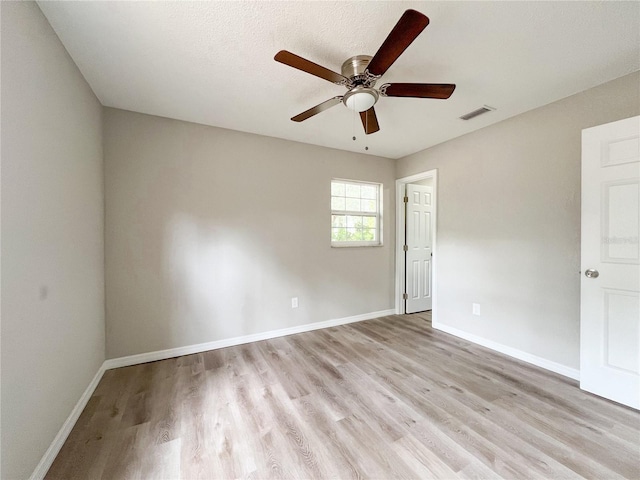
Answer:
(332, 102)
(418, 90)
(410, 25)
(308, 66)
(369, 121)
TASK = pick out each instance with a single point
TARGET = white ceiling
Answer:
(212, 62)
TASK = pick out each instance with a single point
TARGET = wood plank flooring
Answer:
(385, 398)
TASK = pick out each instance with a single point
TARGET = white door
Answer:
(610, 280)
(418, 248)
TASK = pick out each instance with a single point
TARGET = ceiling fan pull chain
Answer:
(366, 128)
(353, 125)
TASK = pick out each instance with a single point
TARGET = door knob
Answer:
(592, 273)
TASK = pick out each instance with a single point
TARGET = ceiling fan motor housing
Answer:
(354, 69)
(361, 96)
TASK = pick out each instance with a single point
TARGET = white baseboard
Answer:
(50, 455)
(53, 450)
(58, 441)
(230, 342)
(512, 352)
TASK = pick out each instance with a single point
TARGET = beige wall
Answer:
(509, 222)
(52, 237)
(210, 232)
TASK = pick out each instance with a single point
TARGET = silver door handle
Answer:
(592, 273)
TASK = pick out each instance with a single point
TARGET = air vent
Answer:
(475, 113)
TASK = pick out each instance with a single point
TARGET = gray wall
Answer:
(210, 232)
(52, 237)
(509, 222)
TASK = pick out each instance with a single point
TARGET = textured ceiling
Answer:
(212, 62)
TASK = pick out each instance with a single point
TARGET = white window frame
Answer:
(378, 215)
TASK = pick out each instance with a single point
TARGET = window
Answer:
(356, 219)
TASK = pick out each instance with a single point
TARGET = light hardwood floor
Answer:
(385, 398)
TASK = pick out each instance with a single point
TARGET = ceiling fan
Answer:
(360, 74)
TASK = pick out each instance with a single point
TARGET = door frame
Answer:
(400, 232)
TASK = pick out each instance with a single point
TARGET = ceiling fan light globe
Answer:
(360, 101)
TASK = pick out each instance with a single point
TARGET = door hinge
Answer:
(406, 199)
(405, 247)
(405, 296)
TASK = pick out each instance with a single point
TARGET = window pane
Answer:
(369, 222)
(353, 191)
(338, 234)
(338, 221)
(369, 234)
(354, 221)
(354, 234)
(368, 205)
(353, 204)
(369, 191)
(337, 189)
(337, 203)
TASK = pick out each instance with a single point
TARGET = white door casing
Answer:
(610, 299)
(419, 218)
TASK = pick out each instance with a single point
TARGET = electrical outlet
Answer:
(294, 302)
(476, 309)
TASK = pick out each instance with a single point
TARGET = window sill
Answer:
(355, 244)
